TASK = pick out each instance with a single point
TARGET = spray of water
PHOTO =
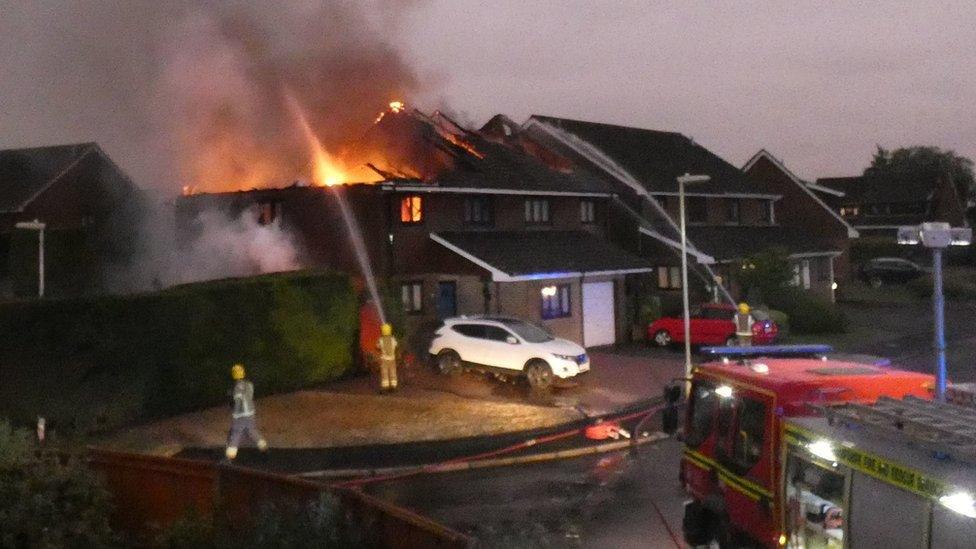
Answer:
(328, 171)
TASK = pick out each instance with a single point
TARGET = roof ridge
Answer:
(79, 144)
(608, 125)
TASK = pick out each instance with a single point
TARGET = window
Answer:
(268, 212)
(555, 302)
(412, 295)
(717, 313)
(766, 212)
(495, 333)
(732, 210)
(704, 404)
(849, 211)
(669, 278)
(696, 209)
(801, 274)
(411, 209)
(748, 443)
(587, 211)
(470, 330)
(814, 503)
(478, 210)
(529, 332)
(537, 211)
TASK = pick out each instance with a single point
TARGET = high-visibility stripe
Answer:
(738, 482)
(885, 470)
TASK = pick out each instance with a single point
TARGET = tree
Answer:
(765, 273)
(924, 162)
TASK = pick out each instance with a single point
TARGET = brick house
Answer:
(80, 194)
(485, 229)
(877, 206)
(729, 218)
(803, 208)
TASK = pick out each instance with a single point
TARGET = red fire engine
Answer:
(733, 455)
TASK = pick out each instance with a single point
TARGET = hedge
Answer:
(808, 314)
(96, 363)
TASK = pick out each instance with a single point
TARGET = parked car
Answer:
(889, 270)
(711, 324)
(506, 347)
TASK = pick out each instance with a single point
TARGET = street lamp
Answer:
(937, 236)
(39, 227)
(686, 179)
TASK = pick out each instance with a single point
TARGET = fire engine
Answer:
(738, 406)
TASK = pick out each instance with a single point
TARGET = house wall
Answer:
(798, 209)
(750, 210)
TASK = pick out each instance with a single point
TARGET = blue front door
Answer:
(446, 300)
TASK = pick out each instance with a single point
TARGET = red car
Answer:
(711, 324)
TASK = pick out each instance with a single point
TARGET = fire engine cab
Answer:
(733, 461)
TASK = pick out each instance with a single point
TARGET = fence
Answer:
(151, 493)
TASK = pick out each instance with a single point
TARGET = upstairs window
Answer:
(411, 209)
(478, 210)
(537, 210)
(766, 212)
(268, 212)
(696, 209)
(732, 211)
(412, 296)
(587, 211)
(849, 211)
(555, 302)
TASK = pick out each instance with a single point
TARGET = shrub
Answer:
(93, 363)
(782, 320)
(46, 502)
(956, 285)
(808, 314)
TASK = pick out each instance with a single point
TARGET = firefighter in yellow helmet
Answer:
(743, 325)
(242, 417)
(387, 346)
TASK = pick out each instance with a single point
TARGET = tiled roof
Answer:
(656, 158)
(875, 190)
(25, 173)
(736, 242)
(526, 253)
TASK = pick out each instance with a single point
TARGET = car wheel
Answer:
(875, 282)
(448, 362)
(732, 341)
(539, 374)
(662, 338)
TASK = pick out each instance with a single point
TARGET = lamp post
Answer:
(937, 237)
(686, 179)
(39, 227)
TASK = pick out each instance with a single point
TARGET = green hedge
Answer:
(957, 284)
(95, 363)
(808, 314)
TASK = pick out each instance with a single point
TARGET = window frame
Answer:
(587, 211)
(672, 277)
(767, 212)
(486, 209)
(733, 205)
(415, 306)
(544, 209)
(563, 303)
(417, 210)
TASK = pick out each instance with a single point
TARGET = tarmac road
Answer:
(597, 501)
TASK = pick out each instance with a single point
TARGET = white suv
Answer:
(506, 346)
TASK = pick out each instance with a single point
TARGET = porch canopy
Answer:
(512, 256)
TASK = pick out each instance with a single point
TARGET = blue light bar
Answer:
(768, 350)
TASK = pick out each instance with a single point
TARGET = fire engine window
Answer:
(814, 504)
(704, 404)
(411, 209)
(748, 444)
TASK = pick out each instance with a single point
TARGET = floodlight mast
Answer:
(937, 236)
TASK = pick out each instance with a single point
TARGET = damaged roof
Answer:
(727, 243)
(655, 158)
(26, 173)
(525, 255)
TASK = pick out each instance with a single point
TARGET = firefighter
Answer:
(387, 345)
(242, 417)
(743, 325)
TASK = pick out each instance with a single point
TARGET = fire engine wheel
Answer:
(448, 362)
(662, 338)
(539, 374)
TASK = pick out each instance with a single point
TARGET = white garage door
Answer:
(599, 327)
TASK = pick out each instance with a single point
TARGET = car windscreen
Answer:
(528, 332)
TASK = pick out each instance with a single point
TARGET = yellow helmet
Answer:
(237, 372)
(744, 308)
(386, 329)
